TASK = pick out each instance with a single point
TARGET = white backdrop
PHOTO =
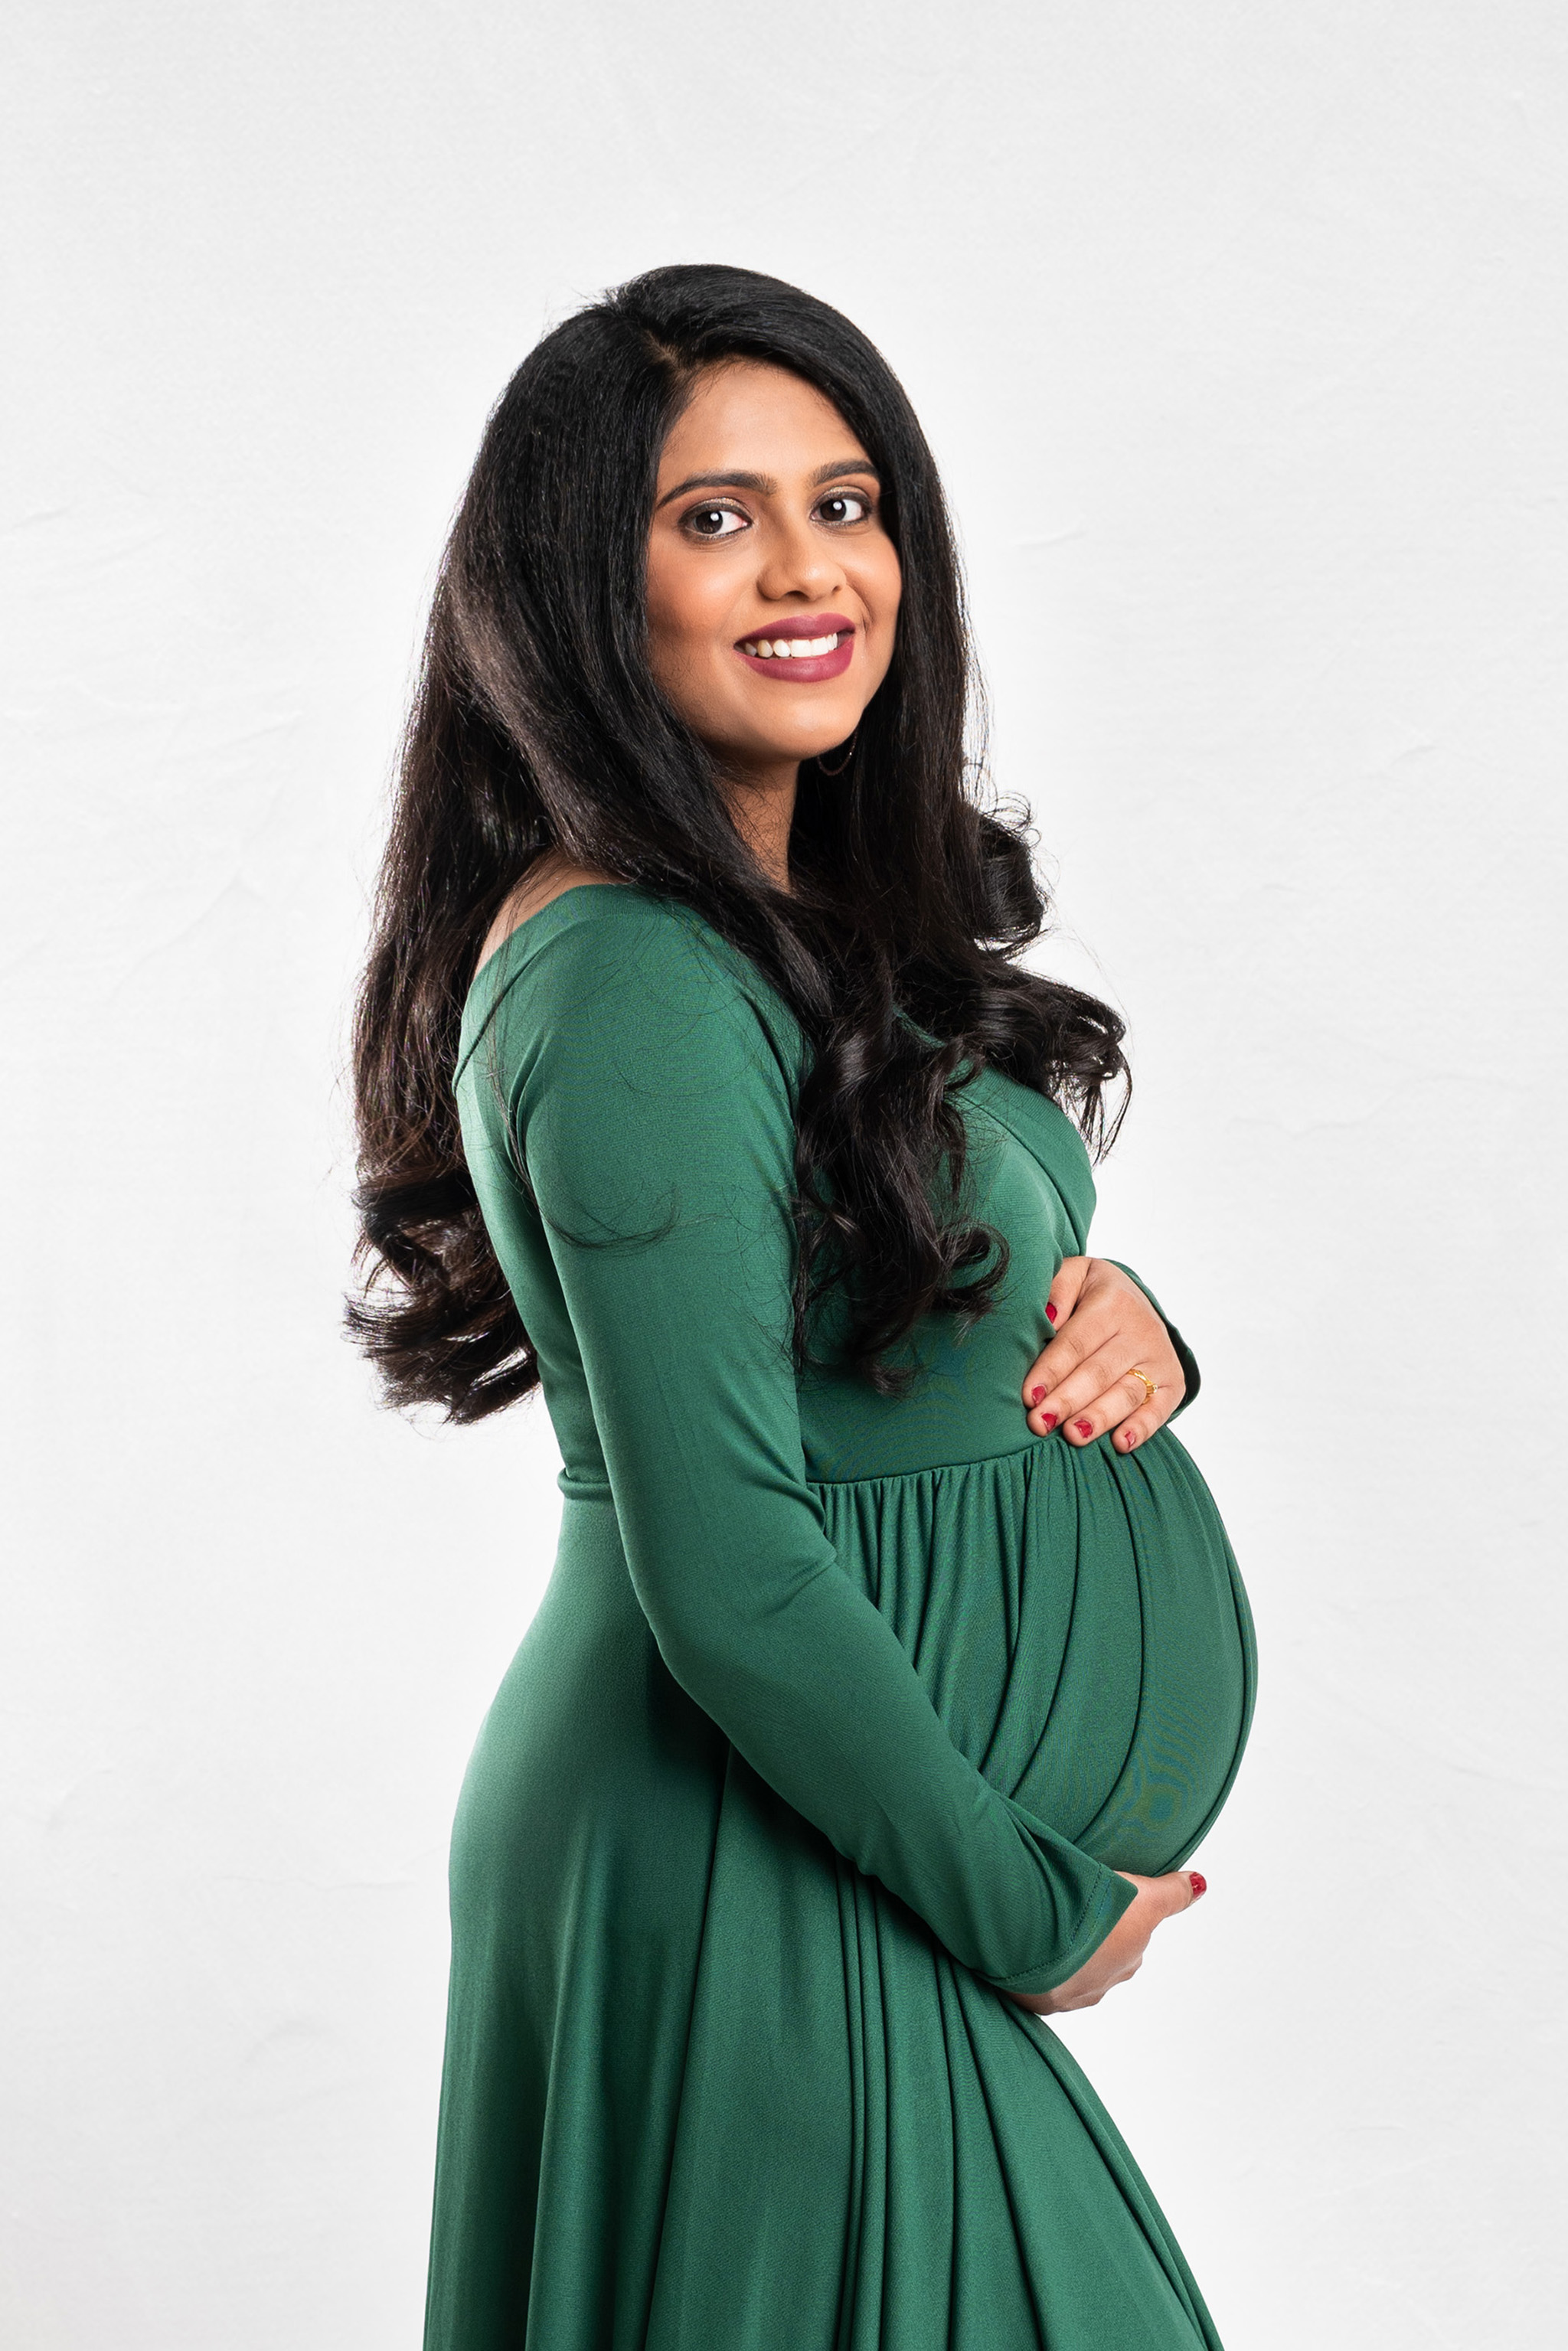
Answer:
(1240, 335)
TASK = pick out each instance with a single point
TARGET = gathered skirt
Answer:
(709, 2088)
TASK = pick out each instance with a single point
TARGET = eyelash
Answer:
(726, 505)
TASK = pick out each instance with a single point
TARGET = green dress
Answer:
(838, 1713)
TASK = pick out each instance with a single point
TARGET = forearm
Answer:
(810, 1684)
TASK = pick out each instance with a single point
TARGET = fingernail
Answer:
(1129, 1440)
(1036, 1395)
(1084, 1427)
(1199, 1883)
(1051, 1418)
(1051, 1313)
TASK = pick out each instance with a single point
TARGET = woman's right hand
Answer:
(1120, 1955)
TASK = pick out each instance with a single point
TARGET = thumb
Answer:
(1180, 1890)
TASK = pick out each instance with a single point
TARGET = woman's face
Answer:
(767, 538)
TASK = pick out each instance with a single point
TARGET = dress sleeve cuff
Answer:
(1111, 1897)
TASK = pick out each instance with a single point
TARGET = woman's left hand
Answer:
(1085, 1382)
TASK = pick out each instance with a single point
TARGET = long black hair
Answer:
(537, 725)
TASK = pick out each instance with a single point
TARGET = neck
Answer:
(762, 804)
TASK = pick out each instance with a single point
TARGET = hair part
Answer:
(536, 724)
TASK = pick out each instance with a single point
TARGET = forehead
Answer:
(748, 415)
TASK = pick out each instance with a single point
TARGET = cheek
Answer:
(685, 611)
(882, 589)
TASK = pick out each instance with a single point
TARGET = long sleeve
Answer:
(651, 1099)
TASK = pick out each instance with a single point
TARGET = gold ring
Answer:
(1151, 1385)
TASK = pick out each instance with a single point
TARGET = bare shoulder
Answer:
(545, 879)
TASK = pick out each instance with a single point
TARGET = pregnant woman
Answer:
(893, 1657)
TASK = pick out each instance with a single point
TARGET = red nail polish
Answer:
(1084, 1427)
(1036, 1395)
(1051, 1418)
(1199, 1883)
(1051, 1313)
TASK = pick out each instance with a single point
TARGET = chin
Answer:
(822, 740)
(762, 746)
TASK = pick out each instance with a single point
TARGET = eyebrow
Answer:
(764, 484)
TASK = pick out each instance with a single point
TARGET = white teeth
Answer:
(789, 648)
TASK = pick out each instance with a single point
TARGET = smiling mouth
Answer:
(808, 650)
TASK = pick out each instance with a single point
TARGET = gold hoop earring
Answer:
(822, 766)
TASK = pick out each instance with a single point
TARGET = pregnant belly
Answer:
(1078, 1621)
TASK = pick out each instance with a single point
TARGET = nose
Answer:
(798, 561)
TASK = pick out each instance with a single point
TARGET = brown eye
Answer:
(845, 505)
(714, 522)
